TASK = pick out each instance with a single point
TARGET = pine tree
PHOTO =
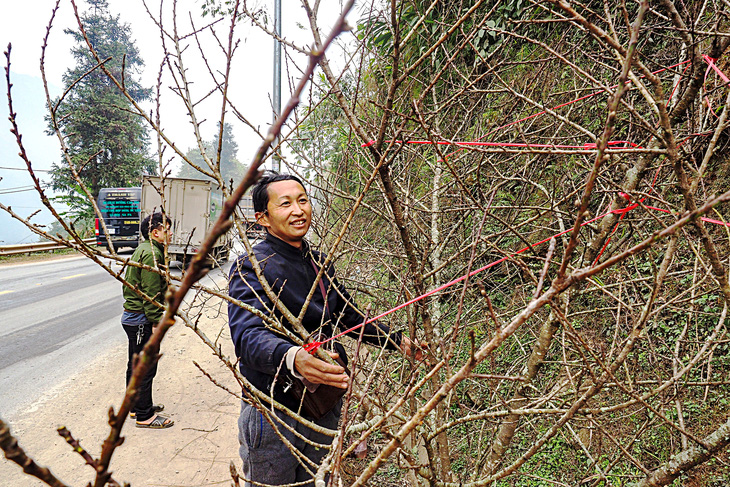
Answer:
(107, 142)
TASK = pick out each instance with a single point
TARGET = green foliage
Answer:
(555, 458)
(107, 143)
(80, 215)
(377, 32)
(218, 8)
(227, 164)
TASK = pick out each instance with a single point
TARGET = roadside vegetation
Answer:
(36, 257)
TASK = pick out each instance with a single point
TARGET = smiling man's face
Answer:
(288, 213)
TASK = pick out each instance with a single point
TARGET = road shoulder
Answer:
(196, 451)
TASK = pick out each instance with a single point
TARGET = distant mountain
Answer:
(29, 103)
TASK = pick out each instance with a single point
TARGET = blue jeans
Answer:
(139, 330)
(266, 459)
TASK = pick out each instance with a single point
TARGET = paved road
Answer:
(55, 317)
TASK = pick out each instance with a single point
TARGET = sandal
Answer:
(160, 422)
(155, 409)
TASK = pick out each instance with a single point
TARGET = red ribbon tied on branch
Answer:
(622, 212)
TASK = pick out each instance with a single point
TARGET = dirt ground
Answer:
(196, 451)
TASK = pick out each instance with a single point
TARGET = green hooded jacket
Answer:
(154, 285)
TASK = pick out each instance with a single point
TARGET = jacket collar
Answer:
(156, 244)
(286, 249)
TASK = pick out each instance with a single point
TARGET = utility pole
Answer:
(276, 160)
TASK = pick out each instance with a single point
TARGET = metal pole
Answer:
(276, 162)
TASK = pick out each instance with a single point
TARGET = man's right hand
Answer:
(320, 372)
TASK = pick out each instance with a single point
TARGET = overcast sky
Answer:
(24, 25)
(251, 73)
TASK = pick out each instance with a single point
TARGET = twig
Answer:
(15, 453)
(91, 461)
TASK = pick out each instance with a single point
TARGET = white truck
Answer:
(193, 205)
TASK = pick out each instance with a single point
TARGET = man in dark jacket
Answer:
(140, 315)
(267, 358)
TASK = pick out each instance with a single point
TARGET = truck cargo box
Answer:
(193, 205)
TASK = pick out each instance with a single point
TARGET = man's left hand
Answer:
(410, 349)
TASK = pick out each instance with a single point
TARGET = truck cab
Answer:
(120, 208)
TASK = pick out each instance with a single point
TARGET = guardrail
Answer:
(30, 248)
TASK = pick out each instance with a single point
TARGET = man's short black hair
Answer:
(260, 192)
(151, 222)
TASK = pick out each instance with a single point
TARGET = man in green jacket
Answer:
(142, 315)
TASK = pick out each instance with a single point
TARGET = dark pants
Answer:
(143, 406)
(266, 459)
